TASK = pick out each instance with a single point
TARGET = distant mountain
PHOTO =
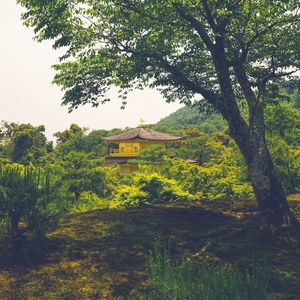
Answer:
(187, 117)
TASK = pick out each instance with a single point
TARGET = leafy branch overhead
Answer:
(170, 45)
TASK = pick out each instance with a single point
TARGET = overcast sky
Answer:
(27, 95)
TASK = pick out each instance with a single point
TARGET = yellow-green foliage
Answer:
(149, 187)
(96, 194)
(128, 196)
(223, 177)
(89, 201)
(160, 188)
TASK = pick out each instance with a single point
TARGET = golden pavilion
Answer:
(132, 142)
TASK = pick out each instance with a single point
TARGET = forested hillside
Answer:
(187, 117)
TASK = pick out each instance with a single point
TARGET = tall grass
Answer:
(188, 280)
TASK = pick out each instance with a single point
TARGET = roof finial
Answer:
(142, 123)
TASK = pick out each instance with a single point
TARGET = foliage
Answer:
(88, 201)
(287, 161)
(79, 140)
(25, 194)
(126, 196)
(283, 128)
(23, 143)
(160, 188)
(149, 187)
(284, 121)
(223, 176)
(154, 153)
(220, 171)
(195, 146)
(85, 174)
(129, 44)
(188, 279)
(80, 180)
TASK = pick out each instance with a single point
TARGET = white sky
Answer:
(27, 95)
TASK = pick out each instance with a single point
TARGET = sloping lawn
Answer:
(101, 254)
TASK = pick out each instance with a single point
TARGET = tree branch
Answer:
(209, 16)
(197, 25)
(209, 95)
(268, 28)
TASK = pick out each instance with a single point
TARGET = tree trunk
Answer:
(251, 139)
(267, 188)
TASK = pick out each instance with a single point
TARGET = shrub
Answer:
(148, 187)
(126, 196)
(24, 196)
(226, 185)
(216, 180)
(160, 188)
(89, 201)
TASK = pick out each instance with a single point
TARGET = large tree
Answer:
(225, 52)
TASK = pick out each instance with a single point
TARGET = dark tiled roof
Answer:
(143, 133)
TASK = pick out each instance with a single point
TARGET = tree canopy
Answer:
(166, 44)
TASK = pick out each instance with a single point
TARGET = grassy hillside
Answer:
(186, 117)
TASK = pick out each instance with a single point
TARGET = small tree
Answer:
(81, 173)
(24, 195)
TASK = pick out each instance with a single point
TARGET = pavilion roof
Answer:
(143, 133)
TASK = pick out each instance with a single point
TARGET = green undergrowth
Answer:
(102, 254)
(191, 279)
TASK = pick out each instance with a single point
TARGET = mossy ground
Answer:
(101, 254)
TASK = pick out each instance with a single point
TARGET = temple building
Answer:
(132, 142)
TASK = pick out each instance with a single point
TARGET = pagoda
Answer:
(132, 142)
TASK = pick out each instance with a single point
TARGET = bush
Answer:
(226, 185)
(160, 188)
(89, 201)
(24, 197)
(126, 196)
(147, 188)
(214, 181)
(190, 280)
